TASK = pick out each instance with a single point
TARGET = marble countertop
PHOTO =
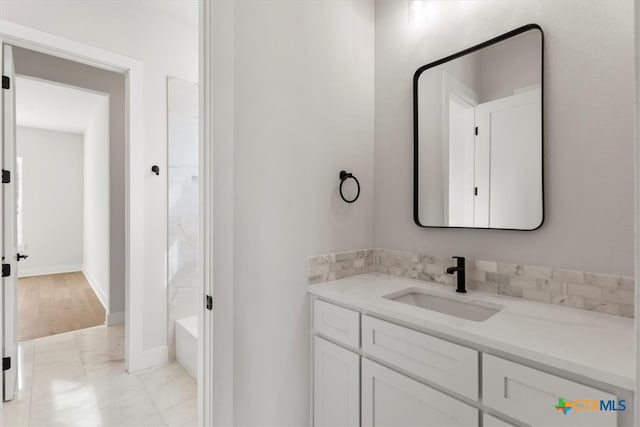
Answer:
(585, 343)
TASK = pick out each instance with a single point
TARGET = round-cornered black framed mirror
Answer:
(478, 135)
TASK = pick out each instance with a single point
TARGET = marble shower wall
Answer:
(578, 289)
(182, 163)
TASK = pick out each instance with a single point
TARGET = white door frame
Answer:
(136, 358)
(217, 121)
(205, 250)
(9, 238)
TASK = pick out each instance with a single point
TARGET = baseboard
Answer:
(115, 318)
(104, 299)
(42, 271)
(149, 359)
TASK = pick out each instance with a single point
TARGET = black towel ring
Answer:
(344, 175)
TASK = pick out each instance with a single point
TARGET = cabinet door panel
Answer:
(336, 385)
(392, 399)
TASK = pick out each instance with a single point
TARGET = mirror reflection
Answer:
(478, 136)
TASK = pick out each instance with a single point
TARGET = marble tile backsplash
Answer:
(323, 268)
(589, 291)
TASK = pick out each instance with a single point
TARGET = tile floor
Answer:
(78, 379)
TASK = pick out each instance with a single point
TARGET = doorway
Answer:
(63, 231)
(106, 211)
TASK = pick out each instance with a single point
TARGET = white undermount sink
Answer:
(453, 305)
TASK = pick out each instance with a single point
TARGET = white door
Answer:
(509, 162)
(394, 400)
(336, 385)
(461, 159)
(9, 241)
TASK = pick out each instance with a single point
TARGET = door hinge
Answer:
(6, 363)
(6, 82)
(476, 130)
(6, 176)
(475, 191)
(208, 302)
(6, 270)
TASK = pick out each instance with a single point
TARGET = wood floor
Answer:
(52, 304)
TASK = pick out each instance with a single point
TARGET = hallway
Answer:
(77, 379)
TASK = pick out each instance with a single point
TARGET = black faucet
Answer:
(460, 270)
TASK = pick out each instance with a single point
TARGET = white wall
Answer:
(96, 203)
(52, 182)
(303, 111)
(588, 115)
(164, 36)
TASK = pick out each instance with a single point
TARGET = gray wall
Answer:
(589, 95)
(47, 67)
(509, 65)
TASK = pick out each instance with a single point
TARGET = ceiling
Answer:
(47, 105)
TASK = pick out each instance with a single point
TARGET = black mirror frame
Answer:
(472, 49)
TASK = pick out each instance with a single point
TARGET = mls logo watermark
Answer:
(582, 405)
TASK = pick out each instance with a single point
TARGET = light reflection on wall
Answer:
(418, 13)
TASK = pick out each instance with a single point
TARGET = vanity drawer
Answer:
(440, 362)
(338, 323)
(531, 396)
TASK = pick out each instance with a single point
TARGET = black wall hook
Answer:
(155, 169)
(344, 175)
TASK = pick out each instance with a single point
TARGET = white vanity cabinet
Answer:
(373, 372)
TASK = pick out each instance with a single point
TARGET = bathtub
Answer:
(187, 344)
